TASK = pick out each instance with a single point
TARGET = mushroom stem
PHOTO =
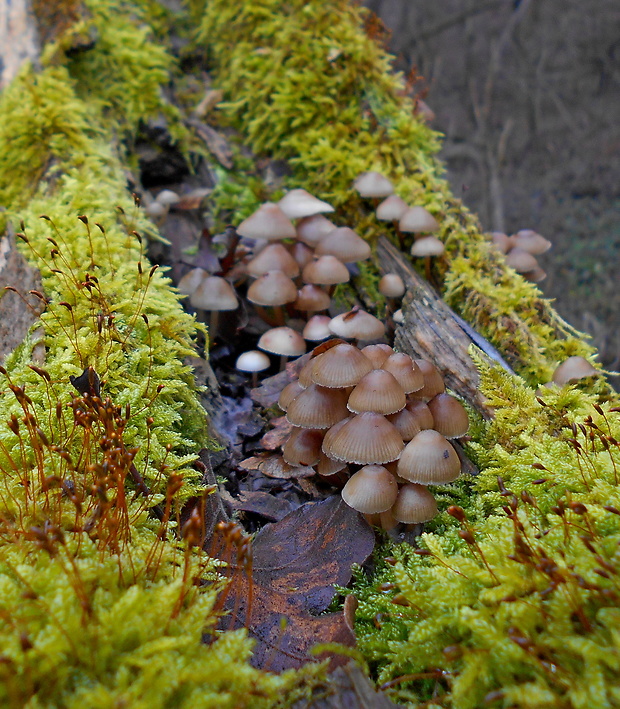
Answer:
(254, 380)
(399, 233)
(278, 312)
(427, 268)
(214, 319)
(283, 359)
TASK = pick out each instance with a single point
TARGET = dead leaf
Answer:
(297, 562)
(193, 199)
(268, 393)
(274, 466)
(216, 143)
(275, 438)
(211, 98)
(263, 503)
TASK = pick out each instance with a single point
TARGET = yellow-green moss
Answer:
(305, 83)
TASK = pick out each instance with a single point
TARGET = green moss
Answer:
(305, 83)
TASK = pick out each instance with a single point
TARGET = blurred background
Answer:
(527, 94)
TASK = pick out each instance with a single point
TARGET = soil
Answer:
(526, 94)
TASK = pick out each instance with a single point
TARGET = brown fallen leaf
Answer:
(216, 143)
(263, 503)
(274, 466)
(296, 563)
(275, 438)
(268, 393)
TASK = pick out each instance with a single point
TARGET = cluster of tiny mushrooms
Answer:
(372, 421)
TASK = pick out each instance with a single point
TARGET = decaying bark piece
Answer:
(19, 41)
(434, 332)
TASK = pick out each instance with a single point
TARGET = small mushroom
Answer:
(371, 490)
(283, 341)
(253, 361)
(357, 324)
(429, 459)
(299, 203)
(214, 295)
(268, 222)
(373, 185)
(573, 369)
(367, 438)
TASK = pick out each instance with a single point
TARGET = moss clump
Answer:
(307, 84)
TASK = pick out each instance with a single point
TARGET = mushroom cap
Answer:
(406, 371)
(312, 298)
(392, 285)
(357, 325)
(341, 366)
(252, 361)
(317, 407)
(312, 229)
(302, 254)
(391, 209)
(290, 391)
(521, 260)
(371, 490)
(377, 354)
(573, 369)
(328, 466)
(449, 416)
(530, 241)
(427, 246)
(326, 271)
(377, 391)
(274, 257)
(272, 288)
(406, 422)
(422, 413)
(282, 341)
(191, 280)
(331, 434)
(414, 504)
(429, 459)
(433, 381)
(367, 438)
(345, 245)
(167, 198)
(501, 241)
(268, 222)
(535, 276)
(418, 220)
(373, 184)
(298, 203)
(303, 446)
(398, 316)
(214, 293)
(317, 328)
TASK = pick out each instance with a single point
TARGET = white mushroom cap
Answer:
(391, 209)
(428, 246)
(392, 285)
(283, 341)
(168, 198)
(358, 325)
(317, 328)
(252, 361)
(268, 222)
(298, 203)
(418, 220)
(373, 184)
(214, 293)
(312, 229)
(191, 280)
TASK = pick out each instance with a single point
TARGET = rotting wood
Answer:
(432, 331)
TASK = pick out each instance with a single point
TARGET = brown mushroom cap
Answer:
(371, 490)
(418, 220)
(273, 288)
(366, 439)
(521, 260)
(433, 381)
(345, 245)
(530, 241)
(535, 276)
(501, 241)
(377, 354)
(573, 369)
(377, 391)
(429, 459)
(357, 325)
(406, 371)
(414, 504)
(317, 407)
(373, 184)
(303, 446)
(214, 293)
(274, 257)
(341, 366)
(191, 280)
(427, 246)
(302, 254)
(268, 222)
(392, 286)
(317, 328)
(282, 341)
(298, 204)
(391, 209)
(449, 416)
(312, 298)
(289, 392)
(312, 229)
(331, 434)
(328, 466)
(326, 271)
(406, 422)
(422, 413)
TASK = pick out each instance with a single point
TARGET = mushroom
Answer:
(341, 366)
(191, 280)
(373, 185)
(373, 489)
(433, 381)
(407, 373)
(298, 204)
(214, 295)
(367, 438)
(377, 391)
(573, 369)
(274, 257)
(392, 286)
(283, 341)
(325, 271)
(312, 299)
(357, 324)
(528, 240)
(427, 247)
(273, 289)
(317, 328)
(289, 392)
(414, 504)
(317, 407)
(345, 245)
(312, 229)
(522, 261)
(377, 354)
(303, 446)
(449, 416)
(268, 222)
(252, 361)
(429, 459)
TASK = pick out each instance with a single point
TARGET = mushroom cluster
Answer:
(382, 416)
(521, 250)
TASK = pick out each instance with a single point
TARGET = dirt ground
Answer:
(528, 96)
